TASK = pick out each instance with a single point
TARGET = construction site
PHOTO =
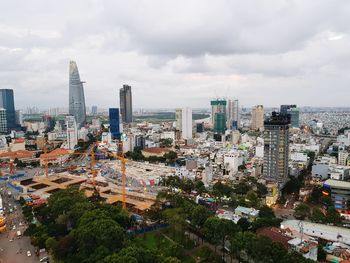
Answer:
(133, 185)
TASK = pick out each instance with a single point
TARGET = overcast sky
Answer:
(177, 53)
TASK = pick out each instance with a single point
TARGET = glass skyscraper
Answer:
(76, 95)
(125, 98)
(293, 111)
(114, 123)
(7, 102)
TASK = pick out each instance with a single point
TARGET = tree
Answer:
(317, 216)
(261, 189)
(252, 198)
(212, 231)
(239, 243)
(302, 211)
(333, 216)
(266, 212)
(177, 220)
(242, 188)
(170, 156)
(244, 224)
(316, 194)
(199, 186)
(221, 189)
(167, 142)
(199, 215)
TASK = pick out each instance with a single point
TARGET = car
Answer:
(14, 227)
(11, 240)
(28, 253)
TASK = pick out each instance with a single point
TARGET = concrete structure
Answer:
(8, 103)
(19, 118)
(3, 121)
(249, 213)
(76, 95)
(72, 132)
(187, 123)
(257, 117)
(340, 195)
(57, 156)
(276, 149)
(233, 114)
(178, 119)
(94, 110)
(125, 99)
(331, 233)
(308, 249)
(342, 157)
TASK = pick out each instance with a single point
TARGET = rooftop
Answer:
(336, 183)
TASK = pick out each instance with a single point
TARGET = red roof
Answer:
(17, 154)
(156, 150)
(19, 140)
(55, 153)
(275, 234)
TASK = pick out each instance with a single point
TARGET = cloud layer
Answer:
(177, 53)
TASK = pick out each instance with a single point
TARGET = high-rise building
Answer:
(233, 115)
(72, 132)
(8, 103)
(293, 111)
(3, 121)
(187, 123)
(125, 98)
(76, 95)
(276, 147)
(94, 110)
(178, 119)
(114, 123)
(220, 122)
(258, 117)
(19, 118)
(218, 115)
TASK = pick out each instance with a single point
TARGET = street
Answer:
(14, 249)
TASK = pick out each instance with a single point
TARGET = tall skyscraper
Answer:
(293, 111)
(258, 117)
(233, 114)
(76, 95)
(218, 115)
(178, 119)
(114, 123)
(3, 121)
(187, 123)
(72, 132)
(19, 118)
(125, 98)
(94, 110)
(8, 103)
(276, 147)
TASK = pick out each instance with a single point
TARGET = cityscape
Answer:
(153, 173)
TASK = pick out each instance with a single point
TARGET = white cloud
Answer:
(177, 53)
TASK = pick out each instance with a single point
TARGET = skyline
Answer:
(282, 53)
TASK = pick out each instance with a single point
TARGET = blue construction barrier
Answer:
(16, 176)
(17, 188)
(4, 178)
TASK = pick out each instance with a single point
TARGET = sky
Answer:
(177, 53)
